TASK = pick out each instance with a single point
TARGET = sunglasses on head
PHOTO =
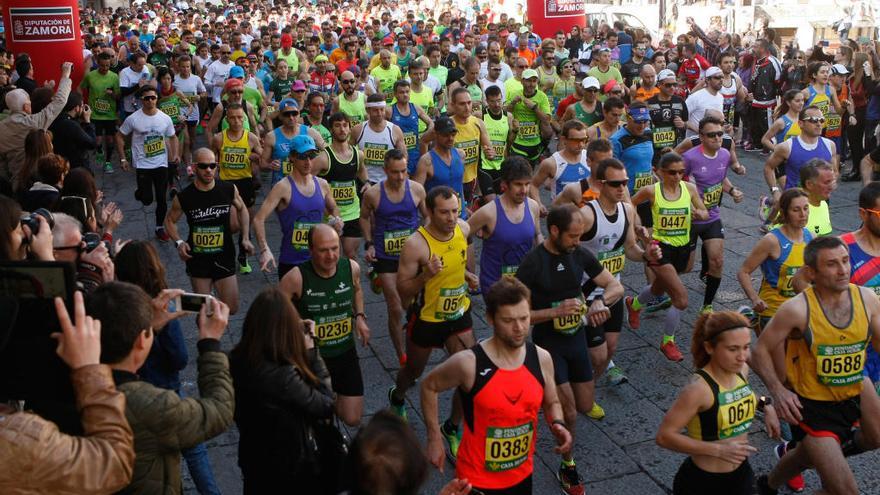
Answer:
(716, 134)
(616, 183)
(206, 165)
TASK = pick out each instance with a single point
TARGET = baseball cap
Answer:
(839, 69)
(287, 105)
(298, 86)
(530, 73)
(321, 58)
(713, 71)
(236, 72)
(388, 40)
(286, 40)
(302, 144)
(444, 125)
(590, 82)
(232, 83)
(523, 30)
(640, 114)
(665, 74)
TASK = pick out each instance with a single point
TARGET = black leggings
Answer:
(856, 137)
(152, 183)
(691, 480)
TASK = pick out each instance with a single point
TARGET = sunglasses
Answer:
(592, 90)
(814, 120)
(206, 166)
(869, 210)
(616, 183)
(290, 114)
(310, 155)
(716, 134)
(347, 81)
(236, 92)
(225, 53)
(79, 248)
(148, 98)
(677, 171)
(670, 85)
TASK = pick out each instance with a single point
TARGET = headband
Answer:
(376, 104)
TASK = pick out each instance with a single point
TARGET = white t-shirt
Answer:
(485, 83)
(506, 73)
(697, 104)
(129, 78)
(190, 86)
(215, 78)
(148, 132)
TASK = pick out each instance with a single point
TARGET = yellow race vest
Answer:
(468, 141)
(445, 296)
(235, 157)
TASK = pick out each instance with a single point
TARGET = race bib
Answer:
(712, 196)
(569, 324)
(528, 130)
(409, 139)
(393, 240)
(286, 167)
(673, 222)
(102, 105)
(840, 365)
(613, 260)
(507, 448)
(300, 236)
(374, 155)
(172, 110)
(154, 146)
(206, 240)
(470, 150)
(736, 408)
(450, 303)
(333, 330)
(234, 157)
(509, 270)
(663, 137)
(786, 280)
(499, 149)
(343, 192)
(643, 179)
(832, 125)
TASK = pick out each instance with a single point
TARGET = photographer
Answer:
(73, 132)
(89, 255)
(37, 458)
(24, 238)
(163, 423)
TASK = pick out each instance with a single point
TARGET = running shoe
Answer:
(795, 483)
(398, 409)
(162, 235)
(108, 168)
(764, 206)
(616, 376)
(596, 412)
(451, 433)
(570, 480)
(764, 486)
(244, 267)
(99, 157)
(633, 317)
(661, 303)
(670, 350)
(750, 147)
(749, 313)
(706, 309)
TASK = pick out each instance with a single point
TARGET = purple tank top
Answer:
(393, 223)
(301, 214)
(799, 157)
(506, 247)
(709, 174)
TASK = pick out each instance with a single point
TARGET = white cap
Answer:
(590, 82)
(665, 74)
(839, 69)
(713, 71)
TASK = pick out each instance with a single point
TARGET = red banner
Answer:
(40, 25)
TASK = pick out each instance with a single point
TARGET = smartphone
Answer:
(192, 303)
(825, 43)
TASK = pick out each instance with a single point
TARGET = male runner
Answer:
(531, 109)
(390, 214)
(818, 179)
(209, 252)
(300, 201)
(501, 128)
(580, 192)
(566, 166)
(408, 117)
(239, 151)
(276, 146)
(471, 139)
(555, 270)
(790, 155)
(669, 115)
(327, 290)
(498, 443)
(350, 101)
(375, 137)
(824, 331)
(589, 109)
(103, 90)
(443, 165)
(632, 146)
(342, 166)
(612, 111)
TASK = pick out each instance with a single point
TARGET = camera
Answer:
(92, 240)
(32, 220)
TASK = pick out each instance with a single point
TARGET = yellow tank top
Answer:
(776, 284)
(468, 141)
(425, 100)
(672, 218)
(445, 296)
(235, 162)
(826, 364)
(731, 413)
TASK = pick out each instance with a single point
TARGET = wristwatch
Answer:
(178, 242)
(774, 189)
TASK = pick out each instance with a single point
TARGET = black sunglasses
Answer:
(292, 113)
(615, 183)
(206, 166)
(716, 134)
(347, 81)
(309, 155)
(145, 98)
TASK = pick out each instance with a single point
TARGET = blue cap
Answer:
(288, 104)
(236, 73)
(302, 143)
(640, 114)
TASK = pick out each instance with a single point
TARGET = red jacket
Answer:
(693, 69)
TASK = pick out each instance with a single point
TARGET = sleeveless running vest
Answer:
(672, 218)
(409, 124)
(281, 152)
(731, 413)
(819, 221)
(826, 364)
(342, 178)
(468, 141)
(445, 296)
(588, 118)
(393, 223)
(865, 271)
(447, 174)
(776, 285)
(500, 421)
(301, 214)
(375, 145)
(728, 106)
(799, 156)
(355, 110)
(423, 99)
(791, 129)
(498, 129)
(207, 215)
(567, 172)
(171, 106)
(235, 157)
(329, 302)
(507, 246)
(609, 235)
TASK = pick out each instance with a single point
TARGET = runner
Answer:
(276, 147)
(585, 190)
(818, 180)
(498, 442)
(376, 136)
(327, 290)
(674, 204)
(239, 151)
(408, 117)
(796, 152)
(350, 101)
(827, 329)
(501, 129)
(471, 139)
(716, 408)
(589, 109)
(531, 109)
(669, 115)
(632, 146)
(786, 124)
(389, 215)
(821, 95)
(194, 89)
(612, 113)
(300, 201)
(470, 82)
(612, 237)
(705, 99)
(443, 165)
(103, 90)
(153, 146)
(555, 270)
(564, 167)
(208, 251)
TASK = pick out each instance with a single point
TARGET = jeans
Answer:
(200, 469)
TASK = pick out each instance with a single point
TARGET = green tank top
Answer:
(497, 130)
(672, 218)
(170, 106)
(291, 59)
(330, 303)
(588, 118)
(356, 110)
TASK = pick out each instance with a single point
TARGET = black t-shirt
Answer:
(663, 113)
(631, 70)
(554, 278)
(875, 155)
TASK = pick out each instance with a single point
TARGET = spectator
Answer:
(163, 422)
(93, 264)
(73, 132)
(25, 70)
(18, 241)
(51, 170)
(37, 144)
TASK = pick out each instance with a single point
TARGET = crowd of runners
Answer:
(435, 155)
